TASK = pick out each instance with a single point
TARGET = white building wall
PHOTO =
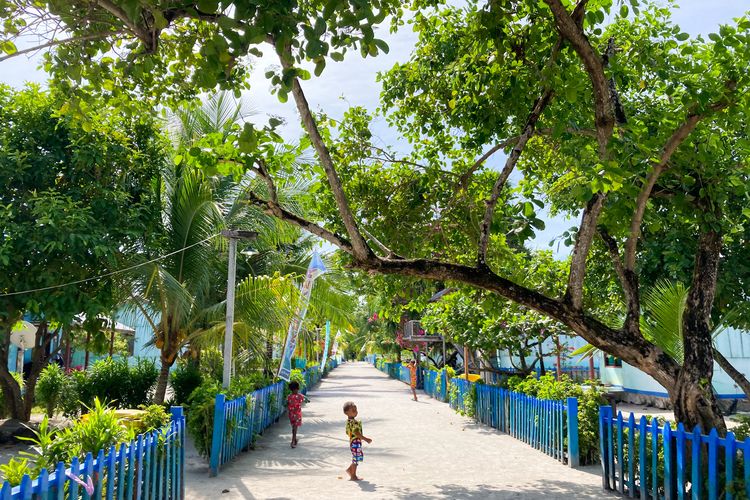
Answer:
(569, 344)
(733, 344)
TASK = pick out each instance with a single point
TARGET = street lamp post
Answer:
(232, 235)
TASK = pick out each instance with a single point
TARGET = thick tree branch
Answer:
(737, 376)
(592, 62)
(674, 141)
(276, 210)
(359, 246)
(115, 10)
(510, 164)
(262, 171)
(629, 282)
(584, 238)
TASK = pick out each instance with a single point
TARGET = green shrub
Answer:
(98, 429)
(154, 417)
(73, 385)
(50, 387)
(142, 377)
(184, 379)
(200, 418)
(246, 384)
(106, 380)
(48, 446)
(15, 469)
(112, 381)
(212, 364)
(299, 377)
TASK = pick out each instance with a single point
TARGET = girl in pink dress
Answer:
(294, 409)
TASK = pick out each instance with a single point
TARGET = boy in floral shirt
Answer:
(354, 431)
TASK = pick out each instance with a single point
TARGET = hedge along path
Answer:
(420, 449)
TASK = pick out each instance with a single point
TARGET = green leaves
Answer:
(8, 47)
(169, 54)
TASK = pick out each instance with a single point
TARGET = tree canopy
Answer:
(631, 125)
(74, 205)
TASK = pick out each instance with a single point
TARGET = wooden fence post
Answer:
(605, 420)
(217, 437)
(178, 417)
(573, 454)
(444, 384)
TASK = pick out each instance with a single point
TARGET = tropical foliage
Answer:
(76, 202)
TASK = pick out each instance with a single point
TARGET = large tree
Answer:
(602, 120)
(74, 204)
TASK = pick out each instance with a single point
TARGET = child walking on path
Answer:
(354, 431)
(413, 373)
(294, 408)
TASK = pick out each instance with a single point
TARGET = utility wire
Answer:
(107, 275)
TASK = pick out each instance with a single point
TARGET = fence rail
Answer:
(460, 394)
(435, 384)
(237, 421)
(549, 426)
(642, 459)
(404, 375)
(148, 467)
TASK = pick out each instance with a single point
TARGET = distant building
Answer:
(138, 345)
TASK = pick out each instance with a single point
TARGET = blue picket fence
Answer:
(458, 391)
(641, 459)
(435, 384)
(550, 426)
(237, 421)
(312, 377)
(404, 375)
(148, 467)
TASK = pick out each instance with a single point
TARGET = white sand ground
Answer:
(420, 450)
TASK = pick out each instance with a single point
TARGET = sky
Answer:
(352, 82)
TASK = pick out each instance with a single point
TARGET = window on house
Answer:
(612, 361)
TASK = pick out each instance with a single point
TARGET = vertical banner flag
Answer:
(335, 344)
(325, 349)
(315, 269)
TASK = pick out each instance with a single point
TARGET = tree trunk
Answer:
(162, 381)
(692, 395)
(733, 373)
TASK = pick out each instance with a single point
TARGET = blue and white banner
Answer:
(315, 269)
(325, 349)
(335, 349)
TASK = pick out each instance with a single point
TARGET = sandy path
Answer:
(419, 450)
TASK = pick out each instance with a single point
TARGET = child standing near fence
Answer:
(413, 381)
(354, 431)
(294, 408)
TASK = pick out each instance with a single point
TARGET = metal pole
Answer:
(229, 330)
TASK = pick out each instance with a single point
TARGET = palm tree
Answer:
(182, 295)
(661, 324)
(175, 294)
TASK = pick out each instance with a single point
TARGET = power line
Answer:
(107, 275)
